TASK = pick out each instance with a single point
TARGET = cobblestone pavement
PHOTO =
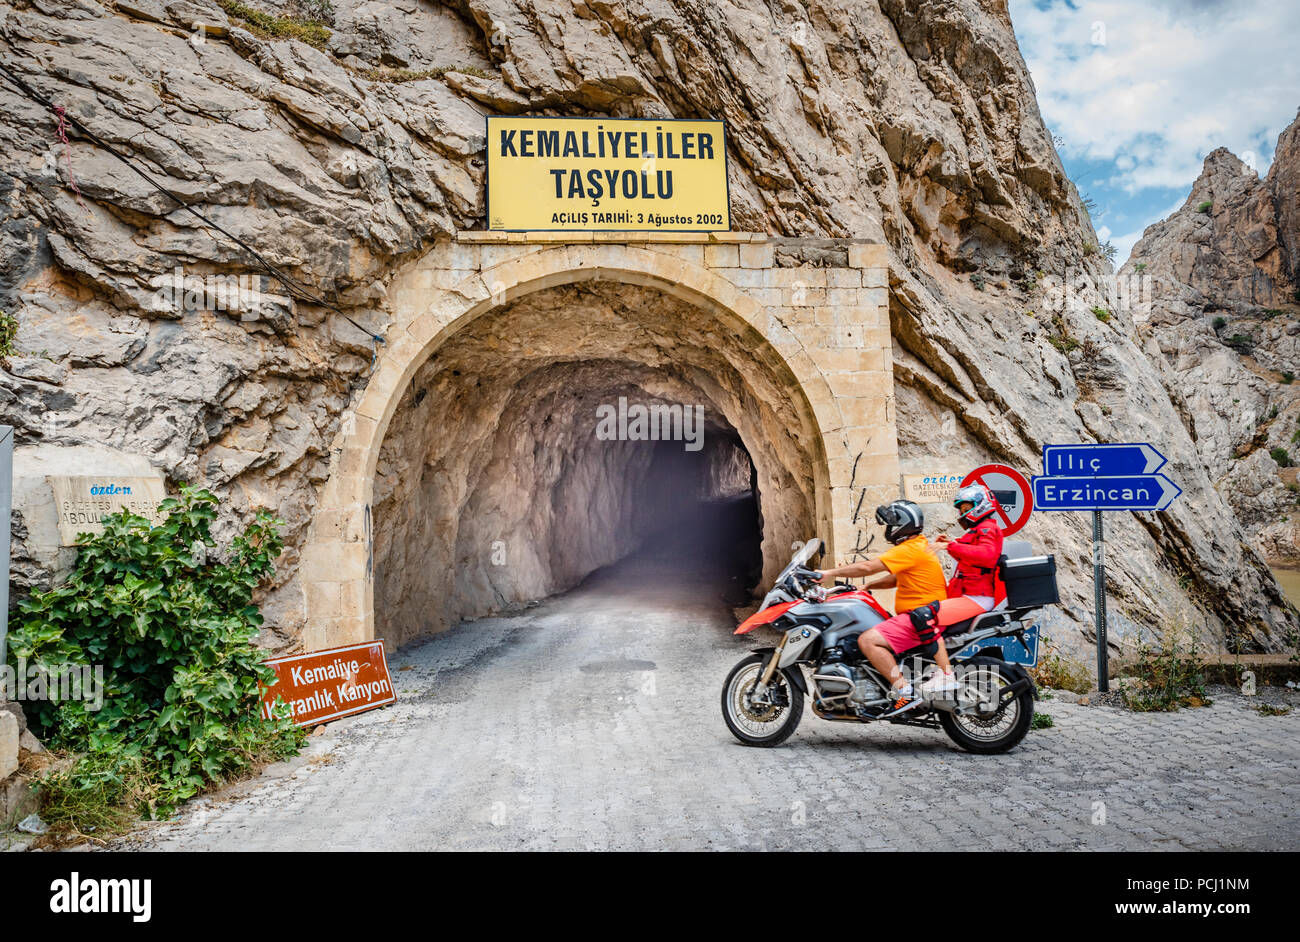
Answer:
(592, 721)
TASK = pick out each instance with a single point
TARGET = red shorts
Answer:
(901, 636)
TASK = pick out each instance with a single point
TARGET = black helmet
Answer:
(901, 519)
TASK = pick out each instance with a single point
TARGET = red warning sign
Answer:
(1013, 498)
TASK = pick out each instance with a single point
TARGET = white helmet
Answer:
(980, 497)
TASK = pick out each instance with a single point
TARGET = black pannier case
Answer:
(1030, 582)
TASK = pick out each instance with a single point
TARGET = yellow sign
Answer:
(606, 173)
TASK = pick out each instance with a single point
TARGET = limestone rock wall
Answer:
(911, 124)
(1222, 324)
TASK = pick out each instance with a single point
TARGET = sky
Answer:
(1137, 92)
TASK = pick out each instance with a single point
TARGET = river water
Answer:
(1290, 582)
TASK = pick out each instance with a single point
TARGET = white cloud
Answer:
(1124, 246)
(1155, 86)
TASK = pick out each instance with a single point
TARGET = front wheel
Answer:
(1000, 729)
(768, 723)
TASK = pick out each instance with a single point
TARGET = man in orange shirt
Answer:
(915, 571)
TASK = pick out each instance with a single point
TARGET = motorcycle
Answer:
(989, 712)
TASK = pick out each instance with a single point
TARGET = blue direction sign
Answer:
(1101, 460)
(1013, 652)
(1120, 492)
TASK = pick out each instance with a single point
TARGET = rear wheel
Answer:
(1003, 724)
(767, 723)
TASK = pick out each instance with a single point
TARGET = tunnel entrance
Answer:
(572, 428)
(465, 476)
(700, 513)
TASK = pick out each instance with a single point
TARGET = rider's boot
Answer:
(905, 699)
(939, 682)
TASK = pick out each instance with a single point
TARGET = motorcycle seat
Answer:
(984, 620)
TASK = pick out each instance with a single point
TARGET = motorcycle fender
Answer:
(1016, 673)
(793, 674)
(1019, 677)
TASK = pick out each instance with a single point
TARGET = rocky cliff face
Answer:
(914, 125)
(1222, 322)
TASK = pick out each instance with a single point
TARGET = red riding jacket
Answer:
(976, 551)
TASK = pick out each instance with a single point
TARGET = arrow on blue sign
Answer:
(1101, 460)
(1124, 492)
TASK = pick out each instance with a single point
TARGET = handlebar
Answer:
(804, 583)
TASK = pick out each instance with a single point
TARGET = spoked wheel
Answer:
(767, 723)
(992, 728)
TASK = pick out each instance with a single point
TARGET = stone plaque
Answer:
(934, 488)
(82, 501)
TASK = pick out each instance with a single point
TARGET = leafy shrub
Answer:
(1089, 248)
(1205, 207)
(271, 26)
(173, 628)
(1240, 342)
(1042, 721)
(1287, 377)
(1060, 672)
(977, 280)
(8, 333)
(1281, 456)
(1101, 314)
(1168, 679)
(1060, 337)
(1140, 266)
(1220, 323)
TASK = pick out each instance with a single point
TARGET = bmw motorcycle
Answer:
(818, 658)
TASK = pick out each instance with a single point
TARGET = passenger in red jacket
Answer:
(972, 590)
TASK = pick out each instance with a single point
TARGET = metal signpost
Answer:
(1097, 478)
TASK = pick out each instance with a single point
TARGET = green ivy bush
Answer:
(173, 623)
(1169, 677)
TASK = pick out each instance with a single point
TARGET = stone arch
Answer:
(440, 295)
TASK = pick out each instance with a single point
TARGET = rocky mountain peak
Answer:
(1223, 317)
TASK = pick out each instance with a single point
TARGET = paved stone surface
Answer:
(592, 722)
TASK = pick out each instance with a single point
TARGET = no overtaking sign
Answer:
(1013, 498)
